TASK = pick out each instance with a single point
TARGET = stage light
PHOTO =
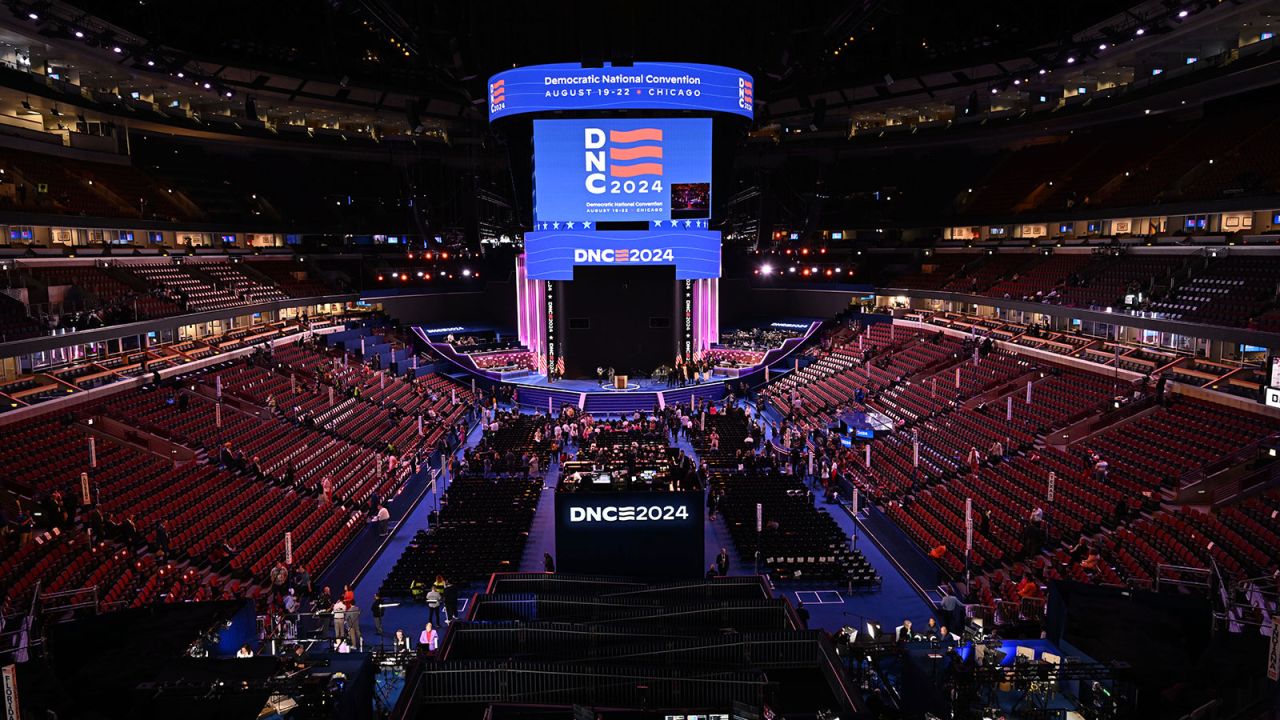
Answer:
(806, 272)
(1183, 13)
(1071, 61)
(1139, 32)
(33, 16)
(151, 63)
(1103, 46)
(79, 34)
(1043, 71)
(466, 272)
(828, 272)
(766, 269)
(117, 50)
(206, 86)
(380, 278)
(404, 276)
(419, 273)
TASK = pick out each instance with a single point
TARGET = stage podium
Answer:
(620, 382)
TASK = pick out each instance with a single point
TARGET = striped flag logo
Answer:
(633, 153)
(621, 255)
(497, 91)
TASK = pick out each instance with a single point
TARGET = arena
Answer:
(884, 359)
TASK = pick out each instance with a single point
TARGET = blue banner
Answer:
(643, 86)
(553, 254)
(620, 170)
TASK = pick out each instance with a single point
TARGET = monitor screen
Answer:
(619, 170)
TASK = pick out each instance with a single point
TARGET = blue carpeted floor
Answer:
(409, 617)
(896, 600)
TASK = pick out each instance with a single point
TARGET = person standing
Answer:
(339, 620)
(548, 562)
(434, 599)
(450, 602)
(377, 611)
(722, 562)
(352, 620)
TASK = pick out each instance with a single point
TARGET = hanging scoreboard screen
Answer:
(618, 170)
(561, 87)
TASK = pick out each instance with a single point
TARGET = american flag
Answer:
(560, 365)
(498, 91)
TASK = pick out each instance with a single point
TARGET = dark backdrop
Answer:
(619, 317)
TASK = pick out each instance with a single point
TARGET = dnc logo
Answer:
(745, 95)
(624, 154)
(497, 95)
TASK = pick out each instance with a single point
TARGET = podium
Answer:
(620, 382)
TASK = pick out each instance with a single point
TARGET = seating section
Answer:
(799, 542)
(15, 323)
(180, 284)
(202, 505)
(225, 512)
(238, 282)
(290, 278)
(1226, 291)
(481, 528)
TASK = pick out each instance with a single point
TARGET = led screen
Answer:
(611, 170)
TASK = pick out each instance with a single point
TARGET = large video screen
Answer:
(610, 170)
(636, 534)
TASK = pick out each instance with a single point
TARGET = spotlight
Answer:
(1183, 13)
(151, 63)
(1139, 32)
(766, 269)
(1071, 61)
(207, 86)
(1043, 71)
(1103, 46)
(33, 16)
(79, 34)
(466, 272)
(117, 49)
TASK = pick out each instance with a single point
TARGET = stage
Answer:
(642, 394)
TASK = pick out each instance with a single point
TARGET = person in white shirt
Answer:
(244, 652)
(339, 619)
